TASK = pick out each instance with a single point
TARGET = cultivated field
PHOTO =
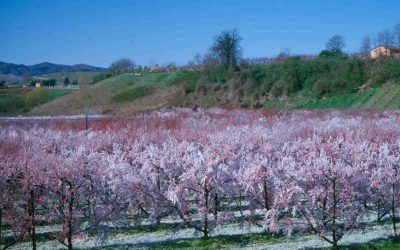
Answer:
(82, 77)
(210, 178)
(20, 100)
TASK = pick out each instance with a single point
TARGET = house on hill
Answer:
(37, 84)
(384, 51)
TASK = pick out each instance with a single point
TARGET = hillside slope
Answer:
(126, 94)
(100, 97)
(384, 97)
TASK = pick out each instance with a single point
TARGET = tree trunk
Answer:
(216, 207)
(205, 213)
(158, 218)
(379, 212)
(266, 203)
(1, 226)
(334, 236)
(393, 212)
(31, 212)
(70, 218)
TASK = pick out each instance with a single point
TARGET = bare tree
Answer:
(336, 43)
(282, 56)
(122, 65)
(385, 38)
(171, 68)
(365, 45)
(226, 48)
(210, 61)
(396, 34)
(198, 59)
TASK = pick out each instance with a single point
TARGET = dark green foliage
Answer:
(292, 75)
(100, 77)
(333, 54)
(325, 75)
(218, 242)
(21, 100)
(188, 79)
(10, 103)
(133, 93)
(48, 82)
(332, 73)
(75, 82)
(227, 48)
(66, 81)
(385, 70)
(220, 74)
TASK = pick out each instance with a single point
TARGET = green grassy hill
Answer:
(118, 95)
(127, 94)
(384, 97)
(333, 82)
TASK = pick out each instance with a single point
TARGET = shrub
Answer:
(220, 74)
(333, 54)
(188, 79)
(36, 97)
(101, 77)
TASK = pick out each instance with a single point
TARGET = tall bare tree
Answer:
(336, 43)
(385, 38)
(396, 34)
(198, 59)
(226, 48)
(122, 65)
(366, 45)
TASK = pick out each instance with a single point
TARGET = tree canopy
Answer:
(226, 48)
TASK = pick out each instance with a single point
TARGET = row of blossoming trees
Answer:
(320, 173)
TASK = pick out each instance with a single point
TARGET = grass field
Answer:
(122, 94)
(56, 93)
(13, 100)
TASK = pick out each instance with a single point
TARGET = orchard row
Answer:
(324, 173)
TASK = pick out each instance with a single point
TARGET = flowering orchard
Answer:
(319, 173)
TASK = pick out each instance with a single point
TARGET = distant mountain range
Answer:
(43, 68)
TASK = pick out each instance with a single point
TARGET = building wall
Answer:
(380, 52)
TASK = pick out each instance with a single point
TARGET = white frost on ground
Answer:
(306, 242)
(145, 238)
(40, 229)
(142, 239)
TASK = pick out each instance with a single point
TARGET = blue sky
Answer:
(98, 32)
